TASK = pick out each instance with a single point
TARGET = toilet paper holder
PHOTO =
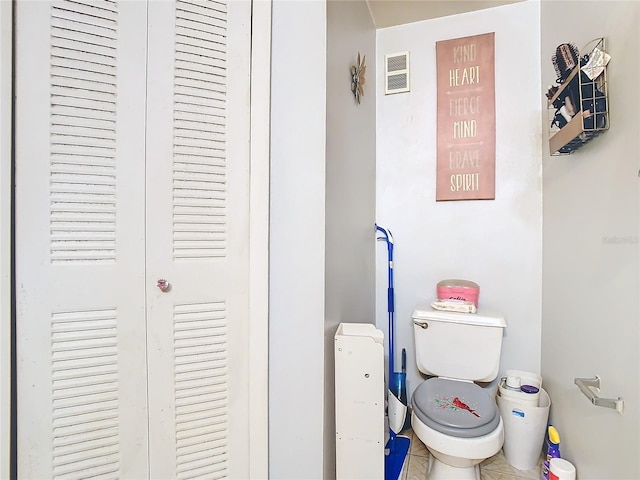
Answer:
(584, 385)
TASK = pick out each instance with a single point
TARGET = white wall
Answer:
(297, 239)
(591, 281)
(350, 189)
(258, 233)
(496, 243)
(5, 229)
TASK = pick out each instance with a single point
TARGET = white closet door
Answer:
(80, 84)
(197, 238)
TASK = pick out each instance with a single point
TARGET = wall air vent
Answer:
(396, 73)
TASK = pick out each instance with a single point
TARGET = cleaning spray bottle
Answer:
(552, 452)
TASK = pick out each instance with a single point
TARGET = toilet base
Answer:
(456, 458)
(438, 470)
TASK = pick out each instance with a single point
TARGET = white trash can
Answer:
(525, 422)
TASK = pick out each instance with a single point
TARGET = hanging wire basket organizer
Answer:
(578, 108)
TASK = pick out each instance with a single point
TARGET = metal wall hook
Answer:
(585, 385)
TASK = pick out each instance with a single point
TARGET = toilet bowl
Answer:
(460, 425)
(456, 419)
(467, 453)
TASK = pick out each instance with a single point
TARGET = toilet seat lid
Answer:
(457, 408)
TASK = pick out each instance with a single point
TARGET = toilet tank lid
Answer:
(482, 317)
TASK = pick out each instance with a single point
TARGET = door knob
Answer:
(164, 285)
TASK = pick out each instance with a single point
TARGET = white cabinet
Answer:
(132, 166)
(360, 393)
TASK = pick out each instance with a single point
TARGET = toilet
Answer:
(457, 419)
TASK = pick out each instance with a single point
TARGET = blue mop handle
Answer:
(391, 312)
(390, 292)
(390, 297)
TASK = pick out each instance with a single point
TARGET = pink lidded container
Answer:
(458, 290)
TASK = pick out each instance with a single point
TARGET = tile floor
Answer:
(494, 468)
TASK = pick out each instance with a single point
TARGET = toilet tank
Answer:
(458, 345)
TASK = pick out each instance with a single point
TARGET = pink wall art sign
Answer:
(466, 118)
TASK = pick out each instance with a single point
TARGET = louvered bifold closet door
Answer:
(197, 232)
(80, 83)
